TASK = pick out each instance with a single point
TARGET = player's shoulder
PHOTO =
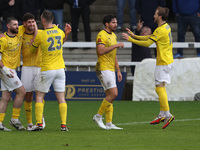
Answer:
(3, 39)
(164, 27)
(159, 30)
(40, 31)
(102, 32)
(60, 31)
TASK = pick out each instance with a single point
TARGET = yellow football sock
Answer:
(63, 112)
(2, 115)
(163, 100)
(16, 113)
(104, 106)
(28, 111)
(109, 114)
(39, 112)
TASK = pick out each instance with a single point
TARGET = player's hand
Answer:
(11, 2)
(130, 32)
(35, 33)
(8, 72)
(31, 41)
(140, 25)
(68, 28)
(119, 76)
(125, 36)
(120, 45)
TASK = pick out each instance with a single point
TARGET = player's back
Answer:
(51, 41)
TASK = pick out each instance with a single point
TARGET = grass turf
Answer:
(182, 134)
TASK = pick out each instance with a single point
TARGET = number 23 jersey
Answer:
(51, 43)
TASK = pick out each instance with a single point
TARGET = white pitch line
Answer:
(133, 123)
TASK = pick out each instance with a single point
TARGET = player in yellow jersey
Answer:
(106, 48)
(10, 50)
(31, 66)
(163, 39)
(51, 40)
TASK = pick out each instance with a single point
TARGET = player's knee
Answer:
(6, 97)
(115, 94)
(29, 97)
(22, 93)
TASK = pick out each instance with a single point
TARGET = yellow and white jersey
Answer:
(29, 58)
(10, 47)
(163, 39)
(51, 41)
(106, 61)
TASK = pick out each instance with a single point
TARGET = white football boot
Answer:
(3, 128)
(99, 121)
(110, 126)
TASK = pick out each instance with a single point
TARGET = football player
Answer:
(106, 48)
(164, 62)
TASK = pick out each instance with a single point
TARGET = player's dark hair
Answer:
(28, 16)
(48, 16)
(164, 12)
(9, 19)
(108, 19)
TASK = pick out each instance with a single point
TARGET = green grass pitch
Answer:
(182, 134)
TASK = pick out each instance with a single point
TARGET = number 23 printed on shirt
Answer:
(52, 41)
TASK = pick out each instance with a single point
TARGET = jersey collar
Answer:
(10, 36)
(108, 32)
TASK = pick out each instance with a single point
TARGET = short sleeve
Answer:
(157, 34)
(3, 44)
(101, 39)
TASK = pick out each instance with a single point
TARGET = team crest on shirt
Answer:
(99, 40)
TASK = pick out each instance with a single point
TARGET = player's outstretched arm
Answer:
(146, 43)
(130, 32)
(137, 36)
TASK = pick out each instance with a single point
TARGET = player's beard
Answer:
(113, 29)
(156, 20)
(30, 29)
(14, 31)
